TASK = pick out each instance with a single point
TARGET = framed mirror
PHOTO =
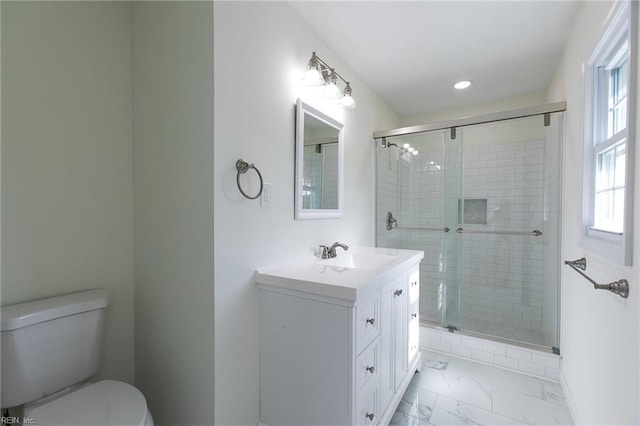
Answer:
(319, 164)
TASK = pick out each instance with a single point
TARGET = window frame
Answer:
(619, 32)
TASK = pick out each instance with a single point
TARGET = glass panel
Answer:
(617, 99)
(409, 186)
(503, 289)
(551, 260)
(454, 208)
(610, 183)
(621, 162)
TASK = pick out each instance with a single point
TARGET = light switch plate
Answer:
(265, 198)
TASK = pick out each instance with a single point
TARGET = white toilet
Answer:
(50, 347)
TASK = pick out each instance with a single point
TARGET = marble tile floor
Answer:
(456, 391)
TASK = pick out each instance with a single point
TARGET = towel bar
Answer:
(620, 287)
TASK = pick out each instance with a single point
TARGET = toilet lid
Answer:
(107, 402)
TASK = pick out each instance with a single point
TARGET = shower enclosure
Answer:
(481, 197)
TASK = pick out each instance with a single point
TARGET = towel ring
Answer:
(243, 167)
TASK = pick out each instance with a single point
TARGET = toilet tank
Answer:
(50, 344)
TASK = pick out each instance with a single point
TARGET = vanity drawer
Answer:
(367, 365)
(367, 412)
(367, 323)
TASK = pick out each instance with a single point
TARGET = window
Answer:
(609, 100)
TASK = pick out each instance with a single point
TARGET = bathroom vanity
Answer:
(338, 337)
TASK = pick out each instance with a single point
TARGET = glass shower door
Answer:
(452, 247)
(503, 227)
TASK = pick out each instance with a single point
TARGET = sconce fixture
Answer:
(321, 74)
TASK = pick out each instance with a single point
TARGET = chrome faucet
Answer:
(330, 252)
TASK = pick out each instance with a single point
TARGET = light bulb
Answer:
(313, 77)
(406, 146)
(331, 91)
(347, 102)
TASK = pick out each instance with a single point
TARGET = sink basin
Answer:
(358, 260)
(353, 274)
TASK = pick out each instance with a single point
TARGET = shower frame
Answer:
(470, 121)
(541, 110)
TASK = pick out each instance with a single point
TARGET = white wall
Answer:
(258, 66)
(67, 202)
(172, 50)
(600, 334)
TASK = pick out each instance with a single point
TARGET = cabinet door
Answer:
(400, 326)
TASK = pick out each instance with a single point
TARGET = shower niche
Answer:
(483, 202)
(473, 211)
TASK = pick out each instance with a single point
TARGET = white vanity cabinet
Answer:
(329, 360)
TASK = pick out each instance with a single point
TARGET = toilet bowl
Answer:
(50, 348)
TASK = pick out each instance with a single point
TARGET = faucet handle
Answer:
(325, 251)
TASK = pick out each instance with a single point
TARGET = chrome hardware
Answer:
(371, 320)
(391, 221)
(330, 252)
(397, 292)
(370, 369)
(534, 233)
(470, 121)
(414, 315)
(578, 263)
(325, 251)
(620, 287)
(370, 416)
(423, 228)
(243, 167)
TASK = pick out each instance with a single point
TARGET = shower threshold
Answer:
(533, 360)
(489, 337)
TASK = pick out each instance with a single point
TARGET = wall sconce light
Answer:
(320, 73)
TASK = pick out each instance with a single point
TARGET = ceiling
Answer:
(411, 53)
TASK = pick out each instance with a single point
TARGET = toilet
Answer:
(50, 347)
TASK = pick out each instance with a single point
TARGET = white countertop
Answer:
(318, 277)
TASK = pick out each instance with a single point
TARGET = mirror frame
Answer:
(303, 109)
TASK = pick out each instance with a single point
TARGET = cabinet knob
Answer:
(370, 416)
(414, 315)
(371, 369)
(371, 320)
(398, 292)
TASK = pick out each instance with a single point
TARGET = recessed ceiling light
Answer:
(462, 84)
